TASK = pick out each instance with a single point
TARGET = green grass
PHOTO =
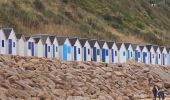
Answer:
(102, 19)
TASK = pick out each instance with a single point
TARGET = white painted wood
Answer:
(122, 54)
(21, 46)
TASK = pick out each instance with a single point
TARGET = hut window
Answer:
(98, 51)
(152, 55)
(3, 43)
(78, 50)
(124, 53)
(115, 53)
(56, 49)
(29, 45)
(107, 53)
(13, 44)
(48, 48)
(88, 51)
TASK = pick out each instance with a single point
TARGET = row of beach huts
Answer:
(80, 49)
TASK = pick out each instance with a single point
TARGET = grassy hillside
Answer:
(137, 21)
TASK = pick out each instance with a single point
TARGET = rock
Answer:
(167, 84)
(118, 73)
(146, 70)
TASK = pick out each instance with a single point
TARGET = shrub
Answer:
(39, 5)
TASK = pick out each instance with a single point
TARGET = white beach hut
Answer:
(76, 49)
(39, 47)
(95, 50)
(54, 47)
(64, 48)
(122, 52)
(104, 51)
(20, 44)
(29, 46)
(113, 52)
(86, 49)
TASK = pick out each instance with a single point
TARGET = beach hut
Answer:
(129, 51)
(3, 42)
(138, 53)
(64, 48)
(145, 54)
(10, 41)
(39, 47)
(168, 50)
(152, 54)
(113, 52)
(55, 47)
(20, 44)
(164, 55)
(46, 44)
(29, 46)
(104, 49)
(95, 50)
(158, 55)
(76, 49)
(86, 49)
(122, 52)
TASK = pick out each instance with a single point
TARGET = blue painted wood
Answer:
(46, 50)
(112, 55)
(65, 52)
(75, 53)
(163, 57)
(144, 57)
(157, 59)
(94, 54)
(128, 54)
(32, 49)
(9, 46)
(54, 51)
(169, 58)
(136, 55)
(150, 58)
(103, 55)
(85, 54)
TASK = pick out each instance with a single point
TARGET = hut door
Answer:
(150, 58)
(32, 49)
(112, 55)
(136, 55)
(103, 55)
(163, 55)
(10, 46)
(75, 53)
(144, 57)
(46, 50)
(94, 54)
(65, 52)
(85, 54)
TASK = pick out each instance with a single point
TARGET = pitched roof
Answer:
(27, 38)
(52, 38)
(18, 36)
(42, 36)
(61, 40)
(134, 46)
(37, 40)
(161, 48)
(155, 47)
(127, 45)
(141, 47)
(7, 32)
(119, 45)
(73, 41)
(149, 47)
(92, 43)
(83, 41)
(110, 44)
(168, 49)
(101, 43)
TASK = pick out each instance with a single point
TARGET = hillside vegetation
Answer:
(137, 21)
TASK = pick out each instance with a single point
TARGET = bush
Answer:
(39, 5)
(65, 1)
